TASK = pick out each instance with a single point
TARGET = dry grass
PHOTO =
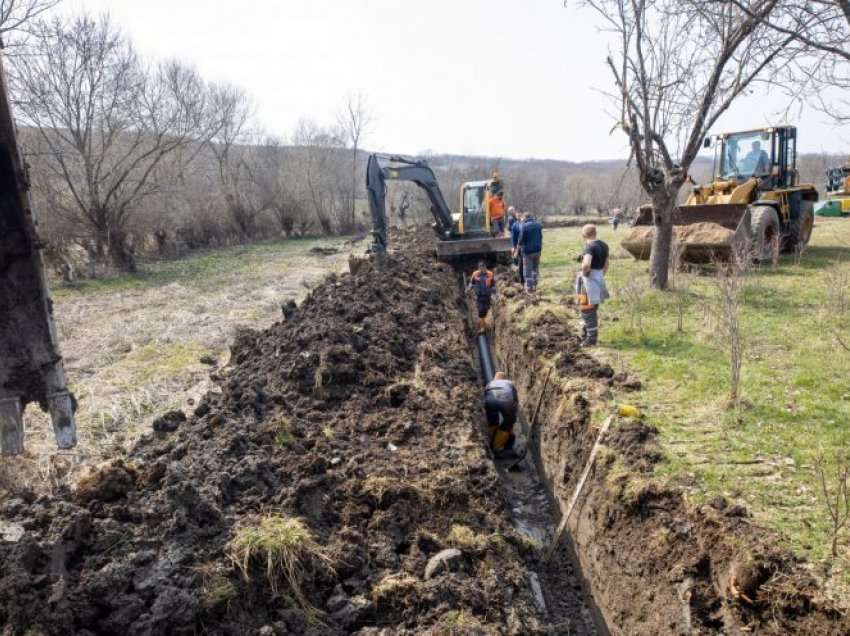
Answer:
(132, 344)
(283, 546)
(394, 585)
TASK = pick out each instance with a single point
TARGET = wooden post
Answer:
(11, 427)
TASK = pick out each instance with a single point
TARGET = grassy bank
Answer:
(795, 380)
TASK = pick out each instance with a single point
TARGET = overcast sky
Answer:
(504, 78)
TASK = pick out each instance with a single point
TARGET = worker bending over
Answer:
(501, 404)
(483, 284)
(590, 284)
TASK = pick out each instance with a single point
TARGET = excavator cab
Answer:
(474, 197)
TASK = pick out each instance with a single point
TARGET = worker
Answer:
(529, 246)
(483, 284)
(501, 404)
(590, 284)
(616, 217)
(514, 222)
(497, 215)
(496, 186)
(758, 159)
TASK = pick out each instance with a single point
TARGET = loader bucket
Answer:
(31, 367)
(493, 250)
(704, 233)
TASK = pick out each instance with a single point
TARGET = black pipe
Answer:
(488, 369)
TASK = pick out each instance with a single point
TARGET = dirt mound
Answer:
(309, 493)
(638, 241)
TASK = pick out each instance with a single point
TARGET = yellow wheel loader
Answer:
(31, 368)
(754, 202)
(462, 236)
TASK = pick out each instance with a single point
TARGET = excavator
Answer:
(461, 237)
(31, 368)
(754, 200)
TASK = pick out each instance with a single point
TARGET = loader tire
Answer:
(764, 223)
(800, 229)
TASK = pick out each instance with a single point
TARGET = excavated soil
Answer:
(359, 414)
(638, 241)
(653, 564)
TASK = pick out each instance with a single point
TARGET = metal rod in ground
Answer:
(540, 400)
(562, 527)
(488, 369)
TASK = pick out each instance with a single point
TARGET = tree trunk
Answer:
(662, 217)
(121, 252)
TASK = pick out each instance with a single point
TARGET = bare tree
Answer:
(232, 146)
(726, 306)
(678, 65)
(836, 498)
(823, 28)
(319, 153)
(353, 122)
(15, 17)
(105, 121)
(275, 181)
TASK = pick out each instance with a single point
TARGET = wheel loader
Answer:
(754, 202)
(837, 201)
(461, 237)
(31, 368)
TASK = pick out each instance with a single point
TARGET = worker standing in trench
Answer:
(501, 402)
(590, 284)
(483, 284)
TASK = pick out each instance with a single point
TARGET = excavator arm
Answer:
(403, 169)
(31, 368)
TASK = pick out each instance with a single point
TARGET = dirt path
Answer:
(136, 347)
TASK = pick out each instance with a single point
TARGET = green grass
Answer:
(795, 384)
(203, 269)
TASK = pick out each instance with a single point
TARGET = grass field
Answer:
(795, 378)
(133, 344)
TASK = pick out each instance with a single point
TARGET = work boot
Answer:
(507, 454)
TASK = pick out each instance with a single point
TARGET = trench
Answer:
(561, 592)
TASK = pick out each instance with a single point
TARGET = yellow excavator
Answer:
(462, 236)
(754, 201)
(31, 368)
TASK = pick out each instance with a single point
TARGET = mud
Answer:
(653, 564)
(358, 414)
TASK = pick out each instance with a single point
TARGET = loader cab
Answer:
(474, 200)
(769, 154)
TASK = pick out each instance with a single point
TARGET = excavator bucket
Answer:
(31, 368)
(496, 250)
(704, 233)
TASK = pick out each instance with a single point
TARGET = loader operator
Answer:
(757, 162)
(501, 404)
(590, 284)
(483, 284)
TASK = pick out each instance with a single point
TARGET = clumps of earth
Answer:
(334, 482)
